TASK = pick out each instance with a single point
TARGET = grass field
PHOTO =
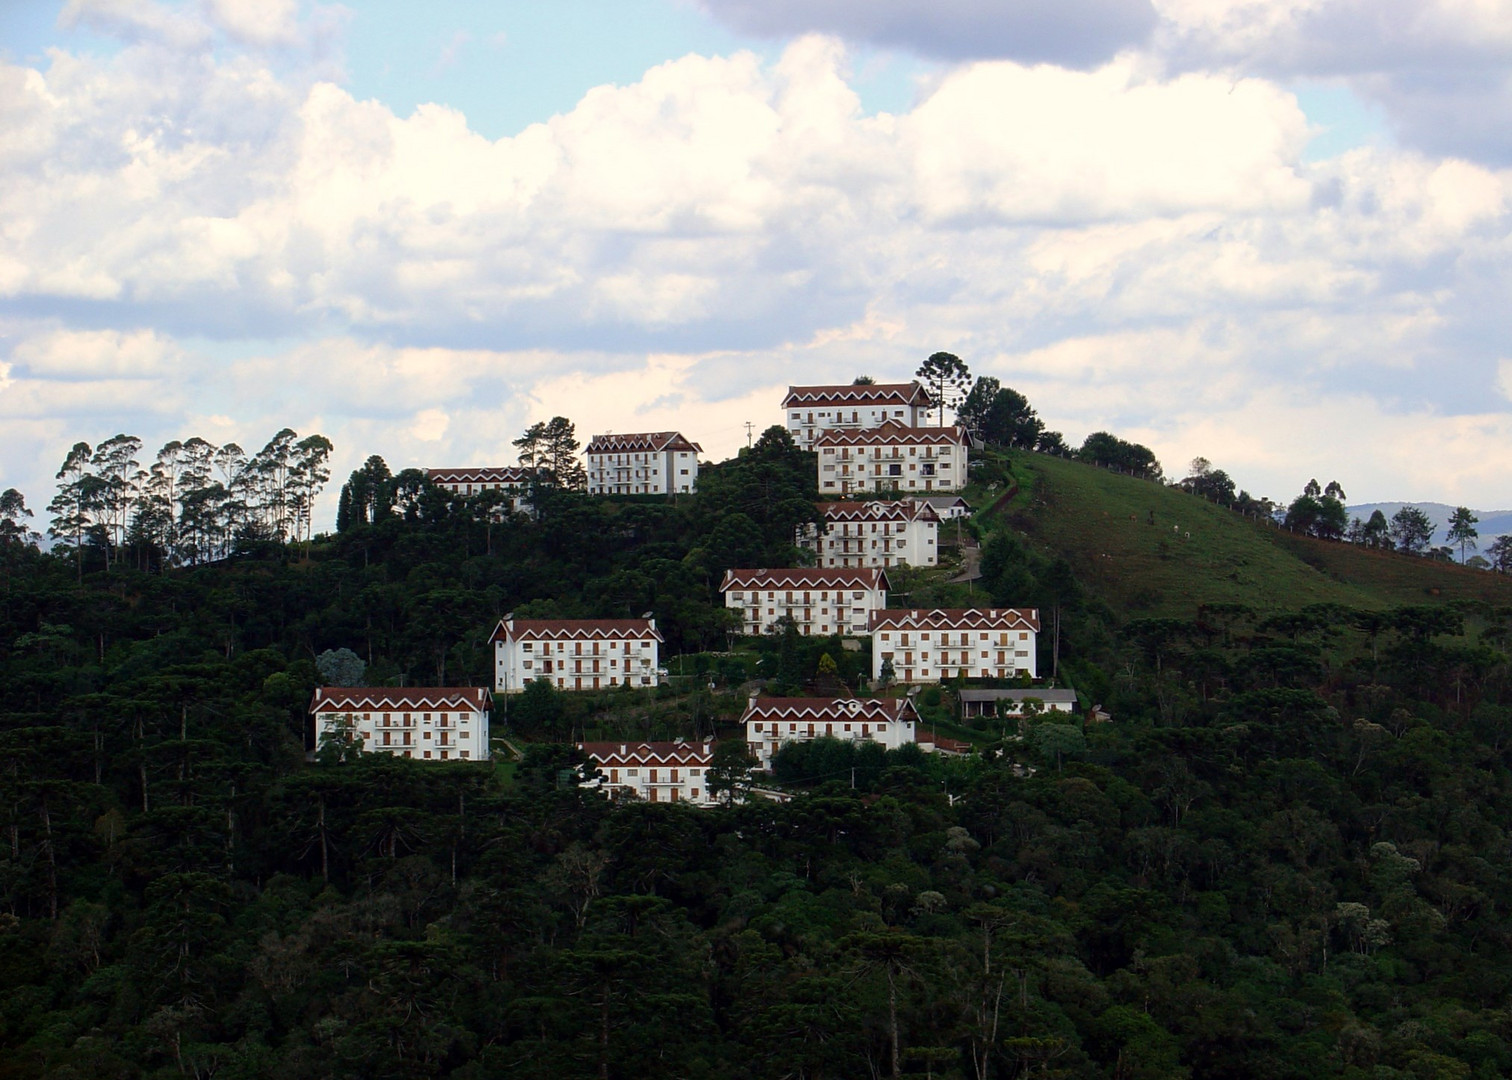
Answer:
(1196, 552)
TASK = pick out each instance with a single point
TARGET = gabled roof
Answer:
(955, 619)
(910, 393)
(482, 474)
(806, 577)
(649, 753)
(510, 629)
(891, 433)
(377, 698)
(830, 709)
(879, 510)
(652, 441)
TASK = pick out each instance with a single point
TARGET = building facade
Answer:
(1011, 702)
(975, 643)
(576, 654)
(770, 722)
(892, 457)
(515, 480)
(654, 771)
(878, 532)
(812, 410)
(819, 599)
(654, 463)
(427, 723)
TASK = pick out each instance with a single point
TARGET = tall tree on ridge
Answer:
(1462, 529)
(947, 378)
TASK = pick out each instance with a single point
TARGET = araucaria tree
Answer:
(1462, 529)
(551, 446)
(947, 378)
(1411, 529)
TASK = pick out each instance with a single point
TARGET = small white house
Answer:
(812, 410)
(877, 532)
(819, 599)
(575, 654)
(770, 722)
(892, 457)
(651, 463)
(978, 702)
(923, 646)
(655, 771)
(424, 722)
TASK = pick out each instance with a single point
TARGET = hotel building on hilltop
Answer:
(878, 532)
(428, 723)
(655, 771)
(892, 458)
(770, 722)
(654, 463)
(976, 643)
(819, 599)
(513, 479)
(812, 410)
(576, 654)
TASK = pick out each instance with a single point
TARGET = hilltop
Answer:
(1197, 552)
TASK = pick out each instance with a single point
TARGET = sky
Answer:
(1276, 234)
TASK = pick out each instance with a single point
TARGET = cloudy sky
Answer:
(1276, 233)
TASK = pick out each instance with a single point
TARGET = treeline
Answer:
(193, 503)
(1286, 856)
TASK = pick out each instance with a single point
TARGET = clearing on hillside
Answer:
(1148, 549)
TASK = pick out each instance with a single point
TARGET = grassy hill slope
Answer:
(1196, 552)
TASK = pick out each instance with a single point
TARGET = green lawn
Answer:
(1196, 552)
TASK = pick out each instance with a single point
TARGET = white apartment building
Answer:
(812, 410)
(474, 481)
(819, 599)
(770, 722)
(424, 722)
(655, 771)
(654, 463)
(892, 458)
(976, 643)
(575, 654)
(878, 532)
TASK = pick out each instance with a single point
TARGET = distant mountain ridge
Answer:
(1493, 523)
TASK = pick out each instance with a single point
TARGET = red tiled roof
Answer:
(891, 434)
(955, 619)
(370, 698)
(878, 510)
(653, 441)
(573, 629)
(815, 708)
(483, 474)
(805, 577)
(649, 753)
(910, 393)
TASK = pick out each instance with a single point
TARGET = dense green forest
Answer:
(1288, 854)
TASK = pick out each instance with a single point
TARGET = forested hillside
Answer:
(1288, 853)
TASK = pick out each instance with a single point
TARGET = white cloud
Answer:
(1137, 251)
(257, 22)
(1075, 32)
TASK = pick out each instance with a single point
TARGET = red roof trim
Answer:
(573, 629)
(655, 441)
(811, 577)
(955, 619)
(911, 393)
(513, 474)
(891, 434)
(830, 709)
(369, 698)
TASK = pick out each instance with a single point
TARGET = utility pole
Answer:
(749, 428)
